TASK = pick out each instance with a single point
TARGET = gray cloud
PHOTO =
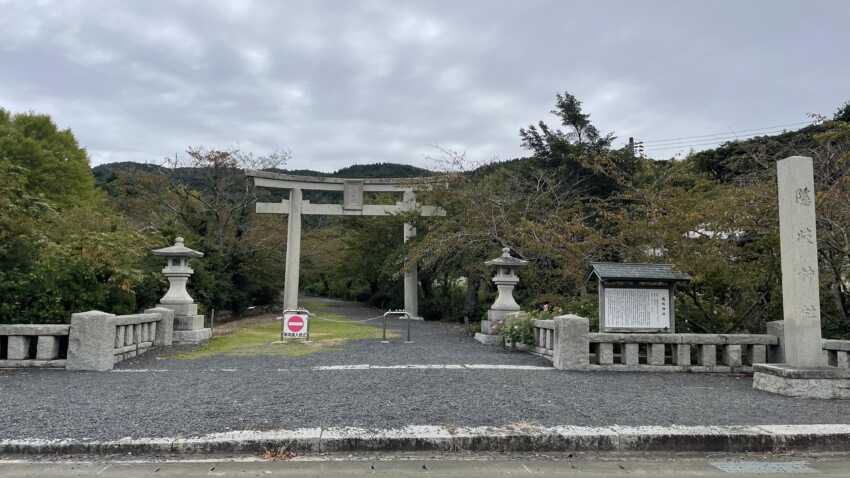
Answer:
(339, 82)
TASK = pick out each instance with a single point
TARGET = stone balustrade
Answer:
(678, 352)
(134, 334)
(568, 342)
(99, 340)
(93, 341)
(33, 345)
(544, 337)
(837, 353)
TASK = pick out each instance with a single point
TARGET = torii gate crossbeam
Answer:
(353, 205)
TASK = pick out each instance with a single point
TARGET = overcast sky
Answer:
(345, 82)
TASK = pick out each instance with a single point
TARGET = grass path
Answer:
(258, 336)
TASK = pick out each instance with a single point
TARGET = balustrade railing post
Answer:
(571, 347)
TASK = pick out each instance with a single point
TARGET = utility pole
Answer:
(636, 147)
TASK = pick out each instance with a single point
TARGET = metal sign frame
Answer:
(300, 311)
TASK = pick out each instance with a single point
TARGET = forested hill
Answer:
(739, 158)
(106, 173)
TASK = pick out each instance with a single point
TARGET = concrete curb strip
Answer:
(758, 438)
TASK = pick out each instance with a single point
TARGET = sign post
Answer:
(399, 314)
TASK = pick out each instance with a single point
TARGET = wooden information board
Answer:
(642, 309)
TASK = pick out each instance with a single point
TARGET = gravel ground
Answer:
(197, 396)
(433, 343)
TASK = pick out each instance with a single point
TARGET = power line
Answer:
(713, 141)
(727, 133)
(728, 137)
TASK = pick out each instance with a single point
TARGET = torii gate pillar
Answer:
(411, 272)
(293, 251)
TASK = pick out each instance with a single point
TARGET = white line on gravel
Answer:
(139, 370)
(319, 368)
(507, 367)
(468, 366)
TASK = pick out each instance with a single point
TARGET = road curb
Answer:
(756, 438)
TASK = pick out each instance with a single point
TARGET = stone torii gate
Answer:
(353, 205)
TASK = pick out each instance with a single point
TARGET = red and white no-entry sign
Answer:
(295, 324)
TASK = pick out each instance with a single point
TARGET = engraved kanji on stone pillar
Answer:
(798, 242)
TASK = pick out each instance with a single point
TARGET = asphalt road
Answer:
(464, 465)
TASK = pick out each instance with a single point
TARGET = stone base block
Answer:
(191, 336)
(188, 322)
(782, 379)
(499, 314)
(190, 309)
(488, 339)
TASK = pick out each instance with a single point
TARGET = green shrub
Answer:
(519, 330)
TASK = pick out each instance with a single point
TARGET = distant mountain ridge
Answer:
(725, 163)
(108, 172)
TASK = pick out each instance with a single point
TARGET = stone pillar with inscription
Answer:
(804, 373)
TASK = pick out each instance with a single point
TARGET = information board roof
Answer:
(608, 271)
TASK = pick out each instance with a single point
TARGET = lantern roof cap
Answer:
(177, 250)
(507, 260)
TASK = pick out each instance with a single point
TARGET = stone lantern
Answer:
(188, 325)
(505, 279)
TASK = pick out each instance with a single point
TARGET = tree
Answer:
(213, 208)
(526, 208)
(63, 248)
(832, 182)
(843, 113)
(582, 132)
(52, 164)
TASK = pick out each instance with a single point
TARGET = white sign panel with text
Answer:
(630, 308)
(295, 324)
